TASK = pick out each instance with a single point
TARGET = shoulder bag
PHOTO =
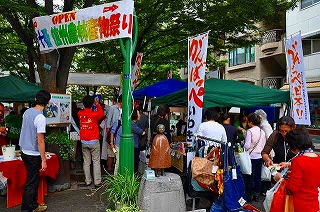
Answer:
(243, 159)
(202, 167)
(234, 188)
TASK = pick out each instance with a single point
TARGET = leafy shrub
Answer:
(123, 189)
(65, 145)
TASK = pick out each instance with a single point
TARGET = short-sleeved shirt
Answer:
(33, 123)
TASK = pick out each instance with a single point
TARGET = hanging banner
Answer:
(93, 24)
(169, 75)
(197, 55)
(297, 81)
(136, 70)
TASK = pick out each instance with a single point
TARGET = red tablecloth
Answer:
(16, 173)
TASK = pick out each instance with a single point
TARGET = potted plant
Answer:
(121, 191)
(64, 144)
(58, 142)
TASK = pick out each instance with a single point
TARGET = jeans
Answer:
(30, 194)
(91, 151)
(254, 180)
(136, 155)
(116, 166)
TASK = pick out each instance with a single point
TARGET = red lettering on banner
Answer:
(195, 49)
(103, 23)
(111, 8)
(138, 60)
(298, 101)
(297, 90)
(64, 17)
(125, 24)
(295, 57)
(296, 76)
(299, 112)
(195, 96)
(109, 27)
(114, 24)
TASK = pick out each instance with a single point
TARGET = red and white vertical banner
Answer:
(169, 74)
(297, 81)
(136, 70)
(197, 56)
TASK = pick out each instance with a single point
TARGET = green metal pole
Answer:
(126, 139)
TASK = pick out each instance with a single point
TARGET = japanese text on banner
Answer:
(297, 81)
(89, 25)
(136, 70)
(197, 56)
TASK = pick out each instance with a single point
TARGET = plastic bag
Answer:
(244, 161)
(269, 196)
(265, 173)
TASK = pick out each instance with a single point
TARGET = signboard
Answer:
(197, 55)
(297, 81)
(136, 70)
(59, 109)
(89, 25)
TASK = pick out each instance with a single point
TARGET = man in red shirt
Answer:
(89, 136)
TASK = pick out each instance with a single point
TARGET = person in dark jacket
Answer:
(232, 132)
(161, 118)
(276, 141)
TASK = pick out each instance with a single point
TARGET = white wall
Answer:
(308, 22)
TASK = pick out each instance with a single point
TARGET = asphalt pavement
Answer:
(79, 198)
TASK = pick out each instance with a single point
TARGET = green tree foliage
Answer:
(164, 26)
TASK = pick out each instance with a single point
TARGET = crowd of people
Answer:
(288, 146)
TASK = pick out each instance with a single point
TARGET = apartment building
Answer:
(263, 64)
(305, 18)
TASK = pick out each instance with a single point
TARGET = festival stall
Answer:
(160, 89)
(223, 93)
(228, 93)
(217, 93)
(14, 89)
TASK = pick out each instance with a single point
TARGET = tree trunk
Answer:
(48, 70)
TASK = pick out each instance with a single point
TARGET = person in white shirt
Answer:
(211, 128)
(32, 147)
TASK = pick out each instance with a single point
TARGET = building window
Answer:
(241, 56)
(307, 3)
(311, 45)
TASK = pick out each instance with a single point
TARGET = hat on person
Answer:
(262, 114)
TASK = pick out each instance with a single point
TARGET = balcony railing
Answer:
(270, 36)
(273, 82)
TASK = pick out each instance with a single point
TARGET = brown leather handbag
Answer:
(201, 168)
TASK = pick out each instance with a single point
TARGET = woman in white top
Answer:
(254, 144)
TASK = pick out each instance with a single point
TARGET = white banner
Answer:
(93, 24)
(136, 70)
(297, 81)
(197, 55)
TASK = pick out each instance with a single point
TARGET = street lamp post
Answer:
(126, 139)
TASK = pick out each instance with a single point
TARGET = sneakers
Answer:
(41, 208)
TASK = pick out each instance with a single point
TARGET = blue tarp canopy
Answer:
(161, 88)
